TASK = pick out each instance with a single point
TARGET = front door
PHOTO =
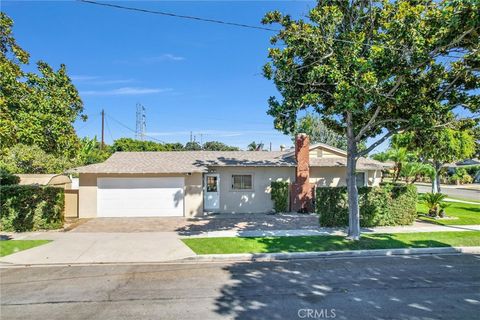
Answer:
(212, 191)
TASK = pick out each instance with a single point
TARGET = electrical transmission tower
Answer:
(141, 124)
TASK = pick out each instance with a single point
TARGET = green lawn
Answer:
(332, 243)
(465, 212)
(11, 246)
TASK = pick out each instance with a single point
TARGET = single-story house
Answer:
(192, 183)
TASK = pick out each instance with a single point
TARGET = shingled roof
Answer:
(200, 161)
(362, 163)
(185, 161)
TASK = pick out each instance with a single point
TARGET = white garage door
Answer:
(140, 197)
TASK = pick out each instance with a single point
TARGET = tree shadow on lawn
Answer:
(363, 288)
(340, 243)
(470, 209)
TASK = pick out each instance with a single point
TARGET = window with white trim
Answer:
(242, 181)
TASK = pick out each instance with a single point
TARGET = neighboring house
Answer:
(54, 180)
(189, 183)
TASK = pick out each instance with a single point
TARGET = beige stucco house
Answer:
(192, 183)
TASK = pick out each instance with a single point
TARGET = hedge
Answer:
(27, 208)
(388, 205)
(279, 195)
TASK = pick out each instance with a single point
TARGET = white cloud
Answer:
(125, 91)
(163, 57)
(82, 77)
(95, 80)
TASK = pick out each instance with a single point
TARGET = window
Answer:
(360, 178)
(212, 185)
(242, 182)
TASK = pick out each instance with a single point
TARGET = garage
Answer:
(140, 197)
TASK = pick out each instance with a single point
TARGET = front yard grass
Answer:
(466, 214)
(332, 243)
(12, 246)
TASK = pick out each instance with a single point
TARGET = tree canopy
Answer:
(370, 69)
(36, 108)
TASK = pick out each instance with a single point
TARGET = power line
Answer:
(174, 15)
(132, 130)
(169, 14)
(109, 130)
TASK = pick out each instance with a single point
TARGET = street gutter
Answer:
(265, 257)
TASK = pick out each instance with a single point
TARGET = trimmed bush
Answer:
(6, 178)
(388, 205)
(27, 208)
(279, 195)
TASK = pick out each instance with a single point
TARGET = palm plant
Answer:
(443, 206)
(433, 202)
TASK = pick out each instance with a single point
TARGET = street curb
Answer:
(252, 257)
(329, 254)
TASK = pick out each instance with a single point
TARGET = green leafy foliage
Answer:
(91, 152)
(218, 146)
(36, 108)
(318, 132)
(128, 144)
(255, 146)
(6, 178)
(32, 159)
(433, 202)
(27, 208)
(280, 195)
(388, 205)
(370, 70)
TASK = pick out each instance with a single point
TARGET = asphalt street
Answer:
(408, 287)
(466, 194)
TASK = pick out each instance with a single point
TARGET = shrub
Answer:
(6, 178)
(27, 208)
(388, 205)
(279, 195)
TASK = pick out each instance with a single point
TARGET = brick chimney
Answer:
(302, 190)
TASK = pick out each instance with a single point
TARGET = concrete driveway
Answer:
(72, 247)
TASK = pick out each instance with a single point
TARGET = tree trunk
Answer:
(436, 178)
(352, 191)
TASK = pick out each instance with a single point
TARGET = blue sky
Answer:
(189, 75)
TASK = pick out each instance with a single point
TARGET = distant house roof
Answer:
(291, 151)
(44, 179)
(362, 163)
(200, 161)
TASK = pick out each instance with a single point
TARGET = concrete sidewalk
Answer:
(417, 227)
(100, 248)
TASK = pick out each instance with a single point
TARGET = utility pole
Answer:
(270, 146)
(103, 129)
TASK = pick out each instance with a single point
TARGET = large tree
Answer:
(370, 69)
(317, 131)
(218, 146)
(439, 146)
(36, 108)
(129, 144)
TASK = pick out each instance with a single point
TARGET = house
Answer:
(54, 180)
(191, 183)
